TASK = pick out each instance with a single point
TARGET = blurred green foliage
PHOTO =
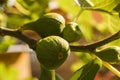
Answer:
(8, 73)
(5, 42)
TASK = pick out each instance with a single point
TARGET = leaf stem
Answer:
(111, 68)
(77, 16)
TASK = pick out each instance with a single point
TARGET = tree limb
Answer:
(81, 48)
(16, 33)
(91, 47)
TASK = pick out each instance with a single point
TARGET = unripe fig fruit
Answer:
(109, 54)
(72, 32)
(48, 24)
(52, 51)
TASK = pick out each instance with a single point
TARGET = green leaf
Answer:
(33, 9)
(26, 11)
(85, 24)
(101, 10)
(105, 4)
(71, 8)
(113, 23)
(84, 3)
(96, 5)
(110, 23)
(37, 7)
(89, 70)
(84, 58)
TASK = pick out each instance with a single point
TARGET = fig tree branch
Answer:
(81, 48)
(16, 33)
(91, 47)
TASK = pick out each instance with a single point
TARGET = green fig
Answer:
(47, 25)
(72, 32)
(52, 51)
(110, 54)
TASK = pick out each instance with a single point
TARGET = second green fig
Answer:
(47, 25)
(72, 32)
(109, 54)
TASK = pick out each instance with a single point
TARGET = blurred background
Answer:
(95, 25)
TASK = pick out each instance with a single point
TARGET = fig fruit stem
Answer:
(47, 74)
(53, 74)
(80, 48)
(111, 68)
